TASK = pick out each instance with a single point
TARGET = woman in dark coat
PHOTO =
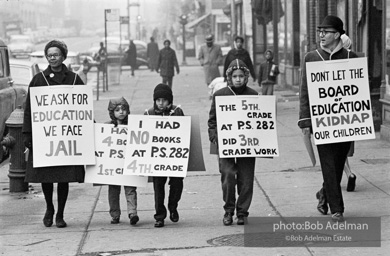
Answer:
(132, 57)
(167, 61)
(55, 74)
(152, 52)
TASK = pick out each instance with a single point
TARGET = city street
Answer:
(285, 186)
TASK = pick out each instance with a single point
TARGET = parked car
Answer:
(20, 45)
(22, 71)
(114, 48)
(10, 96)
(72, 61)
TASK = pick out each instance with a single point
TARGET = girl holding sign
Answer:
(55, 74)
(119, 110)
(233, 170)
(163, 106)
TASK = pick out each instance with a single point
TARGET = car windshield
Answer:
(20, 75)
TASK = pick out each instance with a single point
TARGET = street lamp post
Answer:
(183, 22)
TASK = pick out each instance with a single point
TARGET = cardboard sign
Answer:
(62, 124)
(158, 145)
(195, 161)
(110, 153)
(340, 104)
(246, 126)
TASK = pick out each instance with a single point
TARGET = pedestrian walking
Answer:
(131, 55)
(55, 74)
(152, 53)
(238, 52)
(119, 110)
(102, 57)
(333, 155)
(210, 57)
(234, 171)
(163, 105)
(268, 72)
(166, 64)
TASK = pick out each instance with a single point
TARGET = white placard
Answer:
(246, 126)
(158, 145)
(110, 152)
(340, 104)
(62, 125)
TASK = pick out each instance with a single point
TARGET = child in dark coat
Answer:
(119, 110)
(234, 171)
(163, 106)
(268, 73)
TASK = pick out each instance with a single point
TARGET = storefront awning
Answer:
(197, 21)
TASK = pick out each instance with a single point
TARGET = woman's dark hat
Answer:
(60, 45)
(335, 22)
(163, 91)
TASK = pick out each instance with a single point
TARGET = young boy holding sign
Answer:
(234, 170)
(163, 106)
(119, 110)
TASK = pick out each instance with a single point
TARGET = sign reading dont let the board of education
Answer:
(247, 126)
(340, 104)
(62, 125)
(110, 153)
(158, 145)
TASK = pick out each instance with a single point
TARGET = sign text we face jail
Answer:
(62, 124)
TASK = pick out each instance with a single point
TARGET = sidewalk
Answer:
(284, 186)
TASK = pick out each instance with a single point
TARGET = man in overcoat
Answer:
(210, 57)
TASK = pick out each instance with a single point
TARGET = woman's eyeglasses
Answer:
(54, 55)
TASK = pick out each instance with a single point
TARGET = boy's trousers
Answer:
(238, 171)
(175, 190)
(114, 201)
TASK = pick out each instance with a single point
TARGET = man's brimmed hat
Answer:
(209, 38)
(335, 22)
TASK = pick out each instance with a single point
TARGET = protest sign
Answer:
(247, 126)
(340, 104)
(158, 145)
(110, 153)
(62, 125)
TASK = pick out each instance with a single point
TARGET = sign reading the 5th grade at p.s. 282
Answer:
(62, 124)
(340, 104)
(158, 145)
(246, 126)
(110, 153)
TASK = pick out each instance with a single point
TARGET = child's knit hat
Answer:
(163, 91)
(237, 64)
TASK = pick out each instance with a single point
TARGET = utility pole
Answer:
(183, 22)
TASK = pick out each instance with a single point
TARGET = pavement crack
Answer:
(85, 232)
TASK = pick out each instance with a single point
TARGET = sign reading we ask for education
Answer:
(110, 153)
(158, 145)
(340, 104)
(246, 126)
(62, 124)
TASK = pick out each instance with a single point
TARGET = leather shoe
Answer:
(115, 220)
(174, 216)
(133, 219)
(338, 217)
(159, 224)
(322, 206)
(48, 219)
(240, 220)
(227, 219)
(351, 183)
(60, 223)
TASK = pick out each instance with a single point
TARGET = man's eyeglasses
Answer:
(325, 32)
(55, 55)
